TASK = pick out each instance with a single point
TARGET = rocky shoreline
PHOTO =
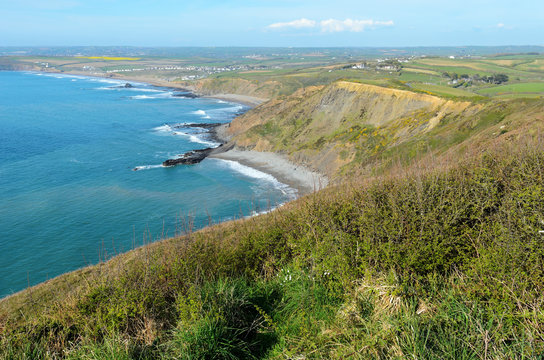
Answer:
(299, 177)
(196, 156)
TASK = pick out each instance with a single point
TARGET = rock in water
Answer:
(128, 85)
(189, 95)
(191, 157)
(207, 126)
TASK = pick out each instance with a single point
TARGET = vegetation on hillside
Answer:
(430, 245)
(348, 127)
(266, 73)
(438, 260)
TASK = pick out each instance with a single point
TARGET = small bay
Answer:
(69, 194)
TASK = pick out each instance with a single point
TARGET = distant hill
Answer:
(236, 52)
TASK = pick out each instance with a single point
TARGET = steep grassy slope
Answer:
(340, 128)
(441, 261)
(430, 248)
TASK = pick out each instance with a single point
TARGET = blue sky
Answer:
(271, 23)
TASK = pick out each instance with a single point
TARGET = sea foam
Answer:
(163, 128)
(147, 167)
(136, 89)
(162, 95)
(196, 139)
(260, 175)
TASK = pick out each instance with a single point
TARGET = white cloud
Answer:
(500, 25)
(297, 24)
(332, 25)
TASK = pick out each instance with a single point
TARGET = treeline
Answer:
(466, 78)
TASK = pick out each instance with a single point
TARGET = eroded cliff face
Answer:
(264, 90)
(329, 127)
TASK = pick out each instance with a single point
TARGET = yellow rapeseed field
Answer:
(108, 58)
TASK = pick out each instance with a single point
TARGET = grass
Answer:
(285, 75)
(422, 71)
(431, 248)
(439, 260)
(443, 90)
(107, 58)
(534, 87)
(532, 65)
(464, 66)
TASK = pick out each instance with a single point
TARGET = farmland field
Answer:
(534, 87)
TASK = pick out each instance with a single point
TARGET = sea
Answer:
(81, 177)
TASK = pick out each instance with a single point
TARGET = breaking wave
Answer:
(260, 175)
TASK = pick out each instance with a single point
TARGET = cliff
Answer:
(427, 259)
(216, 86)
(343, 127)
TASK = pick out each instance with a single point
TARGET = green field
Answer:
(512, 67)
(529, 88)
(427, 244)
(283, 74)
(443, 90)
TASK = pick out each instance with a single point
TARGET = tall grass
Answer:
(437, 261)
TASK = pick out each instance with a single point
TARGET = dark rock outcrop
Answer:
(196, 156)
(207, 126)
(189, 95)
(191, 157)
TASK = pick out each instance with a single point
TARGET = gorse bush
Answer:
(443, 262)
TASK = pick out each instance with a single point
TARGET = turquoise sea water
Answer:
(68, 190)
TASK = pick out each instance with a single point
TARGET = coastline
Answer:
(304, 180)
(299, 177)
(247, 100)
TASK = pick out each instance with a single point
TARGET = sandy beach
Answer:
(302, 179)
(298, 177)
(242, 99)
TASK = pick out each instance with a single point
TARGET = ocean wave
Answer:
(60, 76)
(226, 111)
(235, 108)
(249, 171)
(163, 95)
(196, 139)
(143, 89)
(147, 167)
(202, 113)
(163, 128)
(108, 81)
(169, 129)
(121, 88)
(260, 175)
